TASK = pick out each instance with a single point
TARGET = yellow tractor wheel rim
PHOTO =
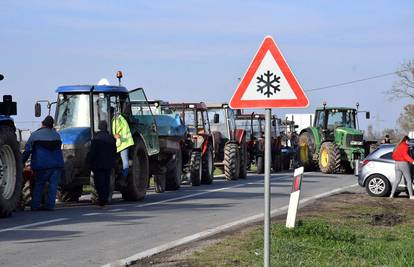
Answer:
(324, 158)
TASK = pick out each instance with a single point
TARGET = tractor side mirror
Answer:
(367, 115)
(273, 123)
(38, 110)
(216, 118)
(1, 77)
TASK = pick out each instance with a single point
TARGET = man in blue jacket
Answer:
(44, 145)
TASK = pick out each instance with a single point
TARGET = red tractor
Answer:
(254, 124)
(230, 148)
(197, 147)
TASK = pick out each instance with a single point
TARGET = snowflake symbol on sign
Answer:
(267, 85)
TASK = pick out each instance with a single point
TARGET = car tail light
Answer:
(364, 162)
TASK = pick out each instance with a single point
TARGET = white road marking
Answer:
(200, 193)
(213, 231)
(92, 214)
(32, 224)
(116, 210)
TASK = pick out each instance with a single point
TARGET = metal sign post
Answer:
(268, 159)
(268, 83)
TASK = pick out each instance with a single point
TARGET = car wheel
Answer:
(378, 185)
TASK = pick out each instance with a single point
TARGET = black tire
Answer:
(11, 171)
(70, 194)
(306, 151)
(137, 179)
(243, 159)
(329, 158)
(378, 185)
(26, 193)
(208, 166)
(260, 165)
(195, 168)
(231, 161)
(174, 172)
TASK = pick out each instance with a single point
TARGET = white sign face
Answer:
(269, 83)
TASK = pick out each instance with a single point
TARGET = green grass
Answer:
(340, 236)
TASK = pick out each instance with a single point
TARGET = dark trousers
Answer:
(102, 179)
(52, 176)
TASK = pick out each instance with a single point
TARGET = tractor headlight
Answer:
(356, 143)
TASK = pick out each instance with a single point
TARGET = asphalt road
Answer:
(83, 235)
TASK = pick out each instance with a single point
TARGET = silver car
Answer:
(377, 172)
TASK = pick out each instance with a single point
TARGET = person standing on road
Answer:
(124, 140)
(101, 161)
(402, 158)
(44, 146)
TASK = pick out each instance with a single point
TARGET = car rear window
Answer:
(387, 156)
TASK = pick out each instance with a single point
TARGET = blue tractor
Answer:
(78, 111)
(10, 158)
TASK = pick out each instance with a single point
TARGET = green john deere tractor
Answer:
(334, 142)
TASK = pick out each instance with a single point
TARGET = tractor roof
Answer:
(189, 105)
(87, 89)
(339, 108)
(217, 105)
(250, 116)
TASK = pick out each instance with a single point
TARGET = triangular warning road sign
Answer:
(269, 82)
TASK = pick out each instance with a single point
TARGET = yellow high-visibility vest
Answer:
(120, 126)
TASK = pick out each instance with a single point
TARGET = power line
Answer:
(357, 81)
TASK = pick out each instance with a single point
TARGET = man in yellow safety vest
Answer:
(124, 140)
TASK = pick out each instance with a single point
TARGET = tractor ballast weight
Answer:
(11, 169)
(230, 147)
(334, 141)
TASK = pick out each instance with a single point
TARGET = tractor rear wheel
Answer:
(329, 158)
(137, 179)
(208, 166)
(196, 170)
(70, 194)
(260, 164)
(231, 161)
(243, 159)
(174, 172)
(306, 151)
(10, 171)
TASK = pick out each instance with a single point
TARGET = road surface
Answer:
(84, 235)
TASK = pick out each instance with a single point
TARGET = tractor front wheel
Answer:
(137, 179)
(329, 158)
(243, 159)
(196, 170)
(208, 166)
(174, 172)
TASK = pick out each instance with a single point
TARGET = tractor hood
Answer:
(349, 131)
(169, 126)
(75, 136)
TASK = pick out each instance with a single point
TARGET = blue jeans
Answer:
(125, 165)
(42, 176)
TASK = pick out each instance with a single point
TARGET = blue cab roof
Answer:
(87, 88)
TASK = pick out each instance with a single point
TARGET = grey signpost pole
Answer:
(268, 156)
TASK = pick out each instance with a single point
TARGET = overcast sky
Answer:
(197, 50)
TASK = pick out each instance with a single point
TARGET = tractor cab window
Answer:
(220, 126)
(320, 119)
(204, 123)
(72, 110)
(189, 117)
(341, 118)
(246, 125)
(258, 128)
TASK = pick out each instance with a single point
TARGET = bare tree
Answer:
(404, 87)
(406, 119)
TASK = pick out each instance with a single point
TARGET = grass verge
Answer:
(343, 230)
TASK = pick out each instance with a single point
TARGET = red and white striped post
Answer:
(294, 197)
